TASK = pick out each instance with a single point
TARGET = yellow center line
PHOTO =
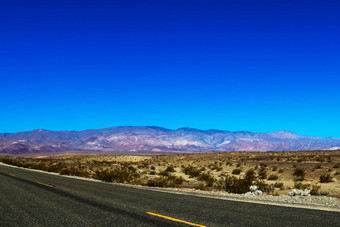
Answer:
(48, 185)
(12, 175)
(174, 219)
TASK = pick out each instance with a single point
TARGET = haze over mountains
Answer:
(151, 139)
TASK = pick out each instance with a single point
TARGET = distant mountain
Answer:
(151, 139)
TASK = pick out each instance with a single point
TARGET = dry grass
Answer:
(276, 172)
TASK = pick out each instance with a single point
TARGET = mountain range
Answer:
(151, 139)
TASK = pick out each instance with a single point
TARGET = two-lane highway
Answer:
(29, 198)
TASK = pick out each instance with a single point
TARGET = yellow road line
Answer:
(12, 175)
(174, 219)
(48, 185)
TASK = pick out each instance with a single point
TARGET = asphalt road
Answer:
(30, 198)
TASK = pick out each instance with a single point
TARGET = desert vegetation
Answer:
(273, 173)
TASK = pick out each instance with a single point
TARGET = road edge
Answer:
(188, 193)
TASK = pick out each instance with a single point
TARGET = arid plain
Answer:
(275, 173)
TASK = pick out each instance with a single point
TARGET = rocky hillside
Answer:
(157, 140)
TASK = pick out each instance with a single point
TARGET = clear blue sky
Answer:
(233, 65)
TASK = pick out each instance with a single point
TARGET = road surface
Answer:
(29, 198)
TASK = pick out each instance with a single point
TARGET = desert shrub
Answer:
(336, 166)
(274, 168)
(250, 175)
(236, 185)
(191, 171)
(56, 167)
(236, 171)
(325, 178)
(302, 186)
(152, 172)
(120, 174)
(238, 165)
(49, 165)
(176, 180)
(273, 177)
(200, 186)
(169, 181)
(152, 168)
(170, 169)
(279, 185)
(209, 180)
(299, 174)
(79, 172)
(228, 164)
(262, 172)
(320, 159)
(314, 189)
(281, 170)
(158, 182)
(215, 167)
(324, 193)
(220, 183)
(261, 185)
(318, 166)
(164, 173)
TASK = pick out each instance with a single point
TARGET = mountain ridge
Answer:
(150, 139)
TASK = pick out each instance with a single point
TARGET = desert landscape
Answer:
(170, 113)
(274, 173)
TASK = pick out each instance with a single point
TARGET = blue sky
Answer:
(233, 65)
